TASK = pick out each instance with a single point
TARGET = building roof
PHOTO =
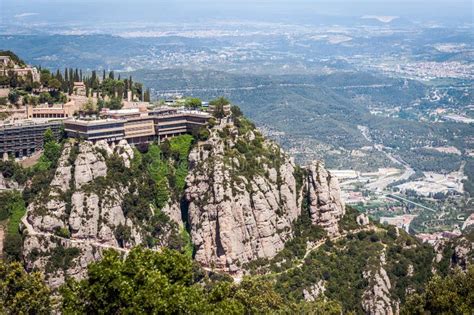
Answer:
(90, 122)
(28, 122)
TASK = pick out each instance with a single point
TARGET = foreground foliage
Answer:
(22, 293)
(148, 282)
(453, 294)
(168, 282)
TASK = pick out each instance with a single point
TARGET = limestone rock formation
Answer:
(326, 206)
(244, 194)
(376, 299)
(316, 290)
(363, 219)
(71, 223)
(463, 253)
(235, 219)
(7, 184)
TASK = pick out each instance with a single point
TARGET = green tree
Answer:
(45, 76)
(219, 101)
(147, 95)
(13, 96)
(236, 111)
(145, 282)
(48, 136)
(193, 102)
(54, 84)
(453, 294)
(22, 293)
(114, 103)
(89, 107)
(45, 97)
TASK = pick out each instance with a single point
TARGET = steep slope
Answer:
(86, 210)
(244, 194)
(240, 201)
(248, 208)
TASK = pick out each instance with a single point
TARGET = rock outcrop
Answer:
(376, 299)
(73, 219)
(463, 255)
(7, 183)
(326, 206)
(363, 219)
(244, 195)
(315, 291)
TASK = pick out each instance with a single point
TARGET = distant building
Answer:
(95, 129)
(345, 174)
(7, 65)
(53, 111)
(23, 138)
(136, 126)
(80, 89)
(401, 221)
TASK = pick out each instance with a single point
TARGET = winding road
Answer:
(382, 183)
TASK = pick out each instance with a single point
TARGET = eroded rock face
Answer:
(237, 217)
(376, 299)
(463, 253)
(7, 184)
(326, 206)
(363, 219)
(242, 197)
(63, 234)
(315, 291)
(89, 165)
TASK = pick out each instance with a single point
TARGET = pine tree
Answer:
(65, 81)
(146, 95)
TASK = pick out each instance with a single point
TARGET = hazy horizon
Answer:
(87, 12)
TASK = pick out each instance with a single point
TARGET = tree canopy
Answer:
(22, 293)
(453, 294)
(150, 282)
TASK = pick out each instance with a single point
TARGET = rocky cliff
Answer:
(81, 213)
(376, 299)
(242, 197)
(244, 194)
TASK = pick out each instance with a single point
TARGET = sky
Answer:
(93, 11)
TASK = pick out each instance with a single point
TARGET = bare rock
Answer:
(7, 183)
(82, 227)
(363, 219)
(326, 205)
(235, 219)
(62, 176)
(376, 299)
(315, 291)
(89, 164)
